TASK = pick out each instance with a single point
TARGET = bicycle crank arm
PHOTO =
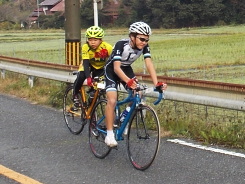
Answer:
(144, 137)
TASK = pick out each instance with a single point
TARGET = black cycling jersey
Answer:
(124, 53)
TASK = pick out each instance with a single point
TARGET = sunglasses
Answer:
(143, 39)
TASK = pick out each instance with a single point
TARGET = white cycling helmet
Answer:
(140, 28)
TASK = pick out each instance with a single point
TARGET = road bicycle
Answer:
(77, 116)
(140, 128)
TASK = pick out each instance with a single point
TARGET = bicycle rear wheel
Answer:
(143, 137)
(73, 115)
(97, 130)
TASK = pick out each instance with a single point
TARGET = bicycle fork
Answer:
(138, 122)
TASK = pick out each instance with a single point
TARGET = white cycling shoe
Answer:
(110, 141)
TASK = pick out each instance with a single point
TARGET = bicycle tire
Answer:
(96, 126)
(72, 115)
(143, 139)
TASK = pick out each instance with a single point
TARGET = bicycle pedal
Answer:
(74, 109)
(115, 125)
(84, 122)
(95, 133)
(77, 105)
(114, 147)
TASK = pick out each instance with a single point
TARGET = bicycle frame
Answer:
(141, 122)
(88, 109)
(135, 100)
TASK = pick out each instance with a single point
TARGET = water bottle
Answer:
(124, 114)
(125, 132)
(91, 96)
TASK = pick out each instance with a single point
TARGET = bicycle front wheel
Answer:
(97, 130)
(73, 115)
(143, 137)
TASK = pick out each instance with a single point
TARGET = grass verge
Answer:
(209, 125)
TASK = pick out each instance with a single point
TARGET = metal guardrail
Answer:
(224, 95)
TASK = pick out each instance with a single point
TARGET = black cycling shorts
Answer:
(112, 80)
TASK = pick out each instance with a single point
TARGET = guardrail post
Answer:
(2, 74)
(31, 80)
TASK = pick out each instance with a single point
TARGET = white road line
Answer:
(177, 141)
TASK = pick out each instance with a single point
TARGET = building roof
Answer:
(112, 9)
(35, 13)
(60, 7)
(49, 2)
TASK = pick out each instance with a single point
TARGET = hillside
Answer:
(158, 14)
(16, 10)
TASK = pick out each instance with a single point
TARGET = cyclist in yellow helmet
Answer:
(95, 52)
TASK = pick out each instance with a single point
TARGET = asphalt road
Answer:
(35, 142)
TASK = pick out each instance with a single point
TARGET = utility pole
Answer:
(95, 13)
(38, 14)
(72, 32)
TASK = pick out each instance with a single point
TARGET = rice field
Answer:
(215, 53)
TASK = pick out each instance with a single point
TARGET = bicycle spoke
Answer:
(72, 115)
(143, 137)
(97, 131)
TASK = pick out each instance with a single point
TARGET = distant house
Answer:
(34, 16)
(52, 6)
(59, 7)
(112, 10)
(47, 7)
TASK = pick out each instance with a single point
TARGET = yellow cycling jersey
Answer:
(97, 58)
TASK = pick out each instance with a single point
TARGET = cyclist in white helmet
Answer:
(118, 69)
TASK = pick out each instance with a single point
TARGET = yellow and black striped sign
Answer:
(73, 53)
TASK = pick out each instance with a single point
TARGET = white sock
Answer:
(110, 133)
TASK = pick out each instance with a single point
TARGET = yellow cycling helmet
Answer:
(95, 32)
